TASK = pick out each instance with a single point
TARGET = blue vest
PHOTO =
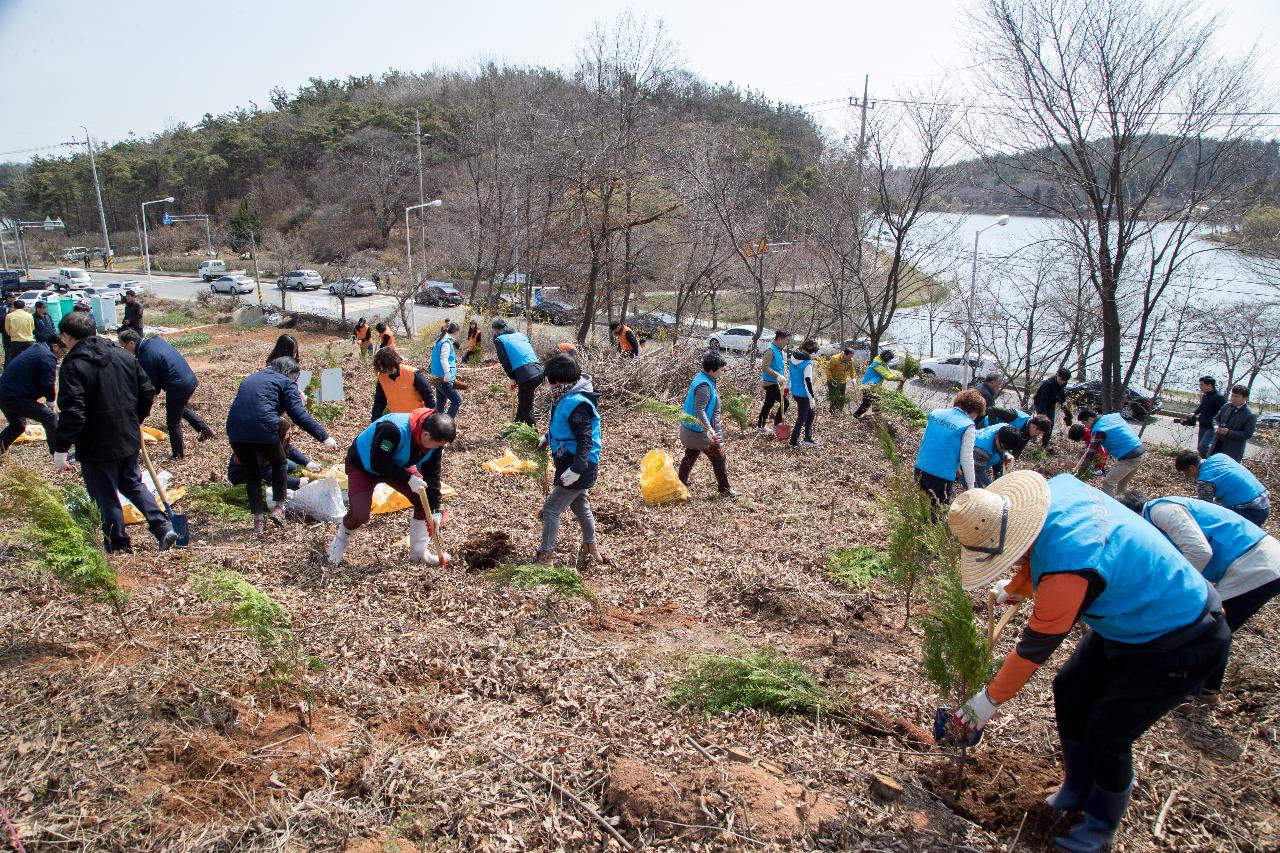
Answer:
(1120, 439)
(870, 377)
(1150, 587)
(1020, 419)
(940, 447)
(560, 436)
(798, 388)
(986, 440)
(364, 443)
(1230, 535)
(437, 362)
(519, 350)
(777, 361)
(1235, 483)
(690, 408)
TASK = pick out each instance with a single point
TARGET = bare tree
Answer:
(1244, 337)
(1108, 102)
(373, 173)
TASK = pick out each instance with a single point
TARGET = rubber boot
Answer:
(419, 538)
(1077, 778)
(338, 545)
(1103, 811)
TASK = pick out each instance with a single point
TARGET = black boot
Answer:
(1077, 778)
(1103, 811)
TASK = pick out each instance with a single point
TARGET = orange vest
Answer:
(401, 395)
(364, 334)
(623, 343)
(390, 338)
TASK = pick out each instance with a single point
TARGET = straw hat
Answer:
(995, 526)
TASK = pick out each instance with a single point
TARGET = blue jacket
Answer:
(796, 376)
(516, 356)
(1233, 483)
(254, 417)
(165, 366)
(1118, 439)
(940, 447)
(443, 367)
(31, 375)
(1230, 535)
(712, 403)
(777, 361)
(1150, 588)
(560, 435)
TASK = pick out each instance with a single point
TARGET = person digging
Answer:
(403, 450)
(877, 373)
(1156, 629)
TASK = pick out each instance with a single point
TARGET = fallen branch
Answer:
(1158, 830)
(562, 791)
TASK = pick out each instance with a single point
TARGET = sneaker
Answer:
(809, 442)
(763, 431)
(169, 540)
(205, 434)
(277, 515)
(729, 495)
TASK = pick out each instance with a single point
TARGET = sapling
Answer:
(918, 541)
(766, 680)
(909, 369)
(665, 410)
(559, 582)
(838, 398)
(734, 405)
(858, 566)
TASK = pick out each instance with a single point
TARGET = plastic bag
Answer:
(509, 463)
(320, 500)
(33, 432)
(152, 436)
(133, 515)
(387, 499)
(659, 483)
(337, 473)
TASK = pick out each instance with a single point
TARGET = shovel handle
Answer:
(146, 460)
(1004, 623)
(432, 528)
(991, 618)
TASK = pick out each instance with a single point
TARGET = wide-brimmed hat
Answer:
(995, 526)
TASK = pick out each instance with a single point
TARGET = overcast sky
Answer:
(142, 65)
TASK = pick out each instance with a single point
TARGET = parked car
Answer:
(31, 297)
(71, 278)
(116, 293)
(503, 305)
(438, 293)
(738, 340)
(300, 280)
(1269, 420)
(951, 368)
(233, 284)
(75, 253)
(209, 270)
(1139, 404)
(861, 348)
(353, 287)
(554, 312)
(652, 325)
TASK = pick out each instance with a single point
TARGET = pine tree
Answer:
(245, 225)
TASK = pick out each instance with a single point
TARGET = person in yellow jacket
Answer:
(839, 370)
(20, 326)
(878, 372)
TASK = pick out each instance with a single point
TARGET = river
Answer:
(1215, 276)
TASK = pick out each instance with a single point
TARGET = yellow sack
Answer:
(659, 483)
(132, 515)
(333, 472)
(387, 499)
(447, 491)
(509, 463)
(34, 432)
(151, 436)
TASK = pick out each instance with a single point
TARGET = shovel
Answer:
(439, 558)
(782, 429)
(177, 522)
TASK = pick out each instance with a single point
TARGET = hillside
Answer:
(431, 699)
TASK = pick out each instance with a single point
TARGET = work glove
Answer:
(1002, 594)
(569, 477)
(329, 444)
(544, 443)
(315, 467)
(1008, 459)
(975, 713)
(60, 462)
(416, 483)
(715, 439)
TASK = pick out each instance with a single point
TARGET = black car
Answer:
(652, 324)
(555, 313)
(1139, 403)
(439, 294)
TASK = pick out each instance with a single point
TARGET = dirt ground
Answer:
(442, 693)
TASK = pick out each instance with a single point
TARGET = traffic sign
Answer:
(167, 219)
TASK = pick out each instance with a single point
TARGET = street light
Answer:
(973, 287)
(146, 246)
(408, 247)
(46, 224)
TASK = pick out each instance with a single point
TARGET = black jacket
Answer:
(1240, 423)
(1049, 396)
(133, 316)
(165, 366)
(44, 331)
(31, 375)
(104, 395)
(264, 395)
(1204, 413)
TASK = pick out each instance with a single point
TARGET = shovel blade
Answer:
(180, 527)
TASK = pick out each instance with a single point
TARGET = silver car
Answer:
(300, 280)
(233, 284)
(353, 287)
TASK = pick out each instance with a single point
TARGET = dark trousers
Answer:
(1044, 442)
(16, 411)
(1107, 694)
(935, 487)
(252, 457)
(176, 411)
(1240, 610)
(772, 399)
(715, 453)
(1256, 514)
(1204, 441)
(870, 396)
(17, 348)
(446, 394)
(102, 480)
(524, 400)
(805, 412)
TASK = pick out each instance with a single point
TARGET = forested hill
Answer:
(985, 185)
(334, 164)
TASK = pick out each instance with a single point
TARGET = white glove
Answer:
(416, 483)
(329, 444)
(544, 443)
(569, 477)
(1003, 596)
(60, 462)
(1008, 459)
(315, 467)
(977, 711)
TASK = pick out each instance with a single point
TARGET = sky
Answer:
(142, 66)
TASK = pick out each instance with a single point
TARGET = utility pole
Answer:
(857, 196)
(422, 195)
(97, 188)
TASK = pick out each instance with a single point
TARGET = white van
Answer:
(209, 270)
